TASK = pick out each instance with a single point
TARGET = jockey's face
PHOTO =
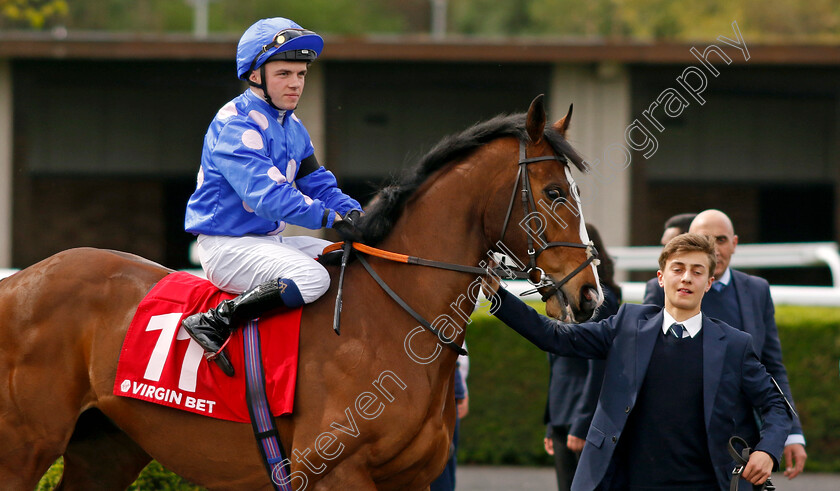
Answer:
(284, 81)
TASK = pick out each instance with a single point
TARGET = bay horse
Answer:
(63, 321)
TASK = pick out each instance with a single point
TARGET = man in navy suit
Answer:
(673, 381)
(574, 384)
(676, 225)
(744, 302)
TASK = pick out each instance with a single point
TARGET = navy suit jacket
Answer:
(734, 381)
(574, 384)
(758, 318)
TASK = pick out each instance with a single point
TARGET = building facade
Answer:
(100, 135)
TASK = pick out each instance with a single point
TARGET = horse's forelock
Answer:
(561, 146)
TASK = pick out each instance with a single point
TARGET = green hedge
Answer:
(508, 382)
(153, 477)
(810, 339)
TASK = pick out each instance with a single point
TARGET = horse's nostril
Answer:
(590, 294)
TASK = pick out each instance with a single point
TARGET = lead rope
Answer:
(741, 460)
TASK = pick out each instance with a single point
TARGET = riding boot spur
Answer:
(212, 329)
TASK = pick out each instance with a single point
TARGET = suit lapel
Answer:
(744, 302)
(645, 341)
(714, 350)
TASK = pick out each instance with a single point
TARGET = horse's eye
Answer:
(554, 193)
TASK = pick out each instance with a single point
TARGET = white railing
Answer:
(746, 256)
(793, 255)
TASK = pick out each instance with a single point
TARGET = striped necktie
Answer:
(678, 330)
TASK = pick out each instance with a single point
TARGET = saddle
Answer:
(161, 364)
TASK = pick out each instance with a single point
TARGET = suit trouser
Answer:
(565, 461)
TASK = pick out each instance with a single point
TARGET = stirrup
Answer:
(221, 359)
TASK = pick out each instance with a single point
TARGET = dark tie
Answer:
(678, 330)
(718, 286)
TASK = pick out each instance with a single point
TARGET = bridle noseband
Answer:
(534, 274)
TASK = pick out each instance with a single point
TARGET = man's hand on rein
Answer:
(489, 283)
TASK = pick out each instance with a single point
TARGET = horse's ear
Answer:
(563, 123)
(535, 123)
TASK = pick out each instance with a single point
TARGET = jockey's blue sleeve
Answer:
(322, 185)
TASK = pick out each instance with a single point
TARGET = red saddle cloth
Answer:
(160, 363)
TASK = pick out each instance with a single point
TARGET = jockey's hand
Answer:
(353, 217)
(347, 226)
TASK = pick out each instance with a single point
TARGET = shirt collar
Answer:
(725, 278)
(692, 325)
(278, 114)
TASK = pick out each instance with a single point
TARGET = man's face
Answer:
(685, 280)
(724, 238)
(284, 81)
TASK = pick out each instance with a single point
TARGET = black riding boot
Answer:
(211, 329)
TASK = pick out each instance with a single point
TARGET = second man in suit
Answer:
(744, 302)
(674, 379)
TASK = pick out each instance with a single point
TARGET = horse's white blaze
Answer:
(584, 237)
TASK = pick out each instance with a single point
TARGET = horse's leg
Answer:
(35, 422)
(52, 314)
(24, 459)
(23, 472)
(100, 456)
(344, 477)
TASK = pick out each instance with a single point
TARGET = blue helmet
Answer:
(275, 38)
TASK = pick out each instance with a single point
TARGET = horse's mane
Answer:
(387, 205)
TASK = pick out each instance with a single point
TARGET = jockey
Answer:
(259, 172)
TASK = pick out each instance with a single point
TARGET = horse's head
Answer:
(542, 219)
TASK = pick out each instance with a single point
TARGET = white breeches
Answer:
(238, 264)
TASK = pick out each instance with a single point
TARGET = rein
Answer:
(534, 274)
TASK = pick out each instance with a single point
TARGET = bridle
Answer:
(534, 274)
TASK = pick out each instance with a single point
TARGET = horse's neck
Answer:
(442, 223)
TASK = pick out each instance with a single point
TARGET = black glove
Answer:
(348, 226)
(353, 217)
